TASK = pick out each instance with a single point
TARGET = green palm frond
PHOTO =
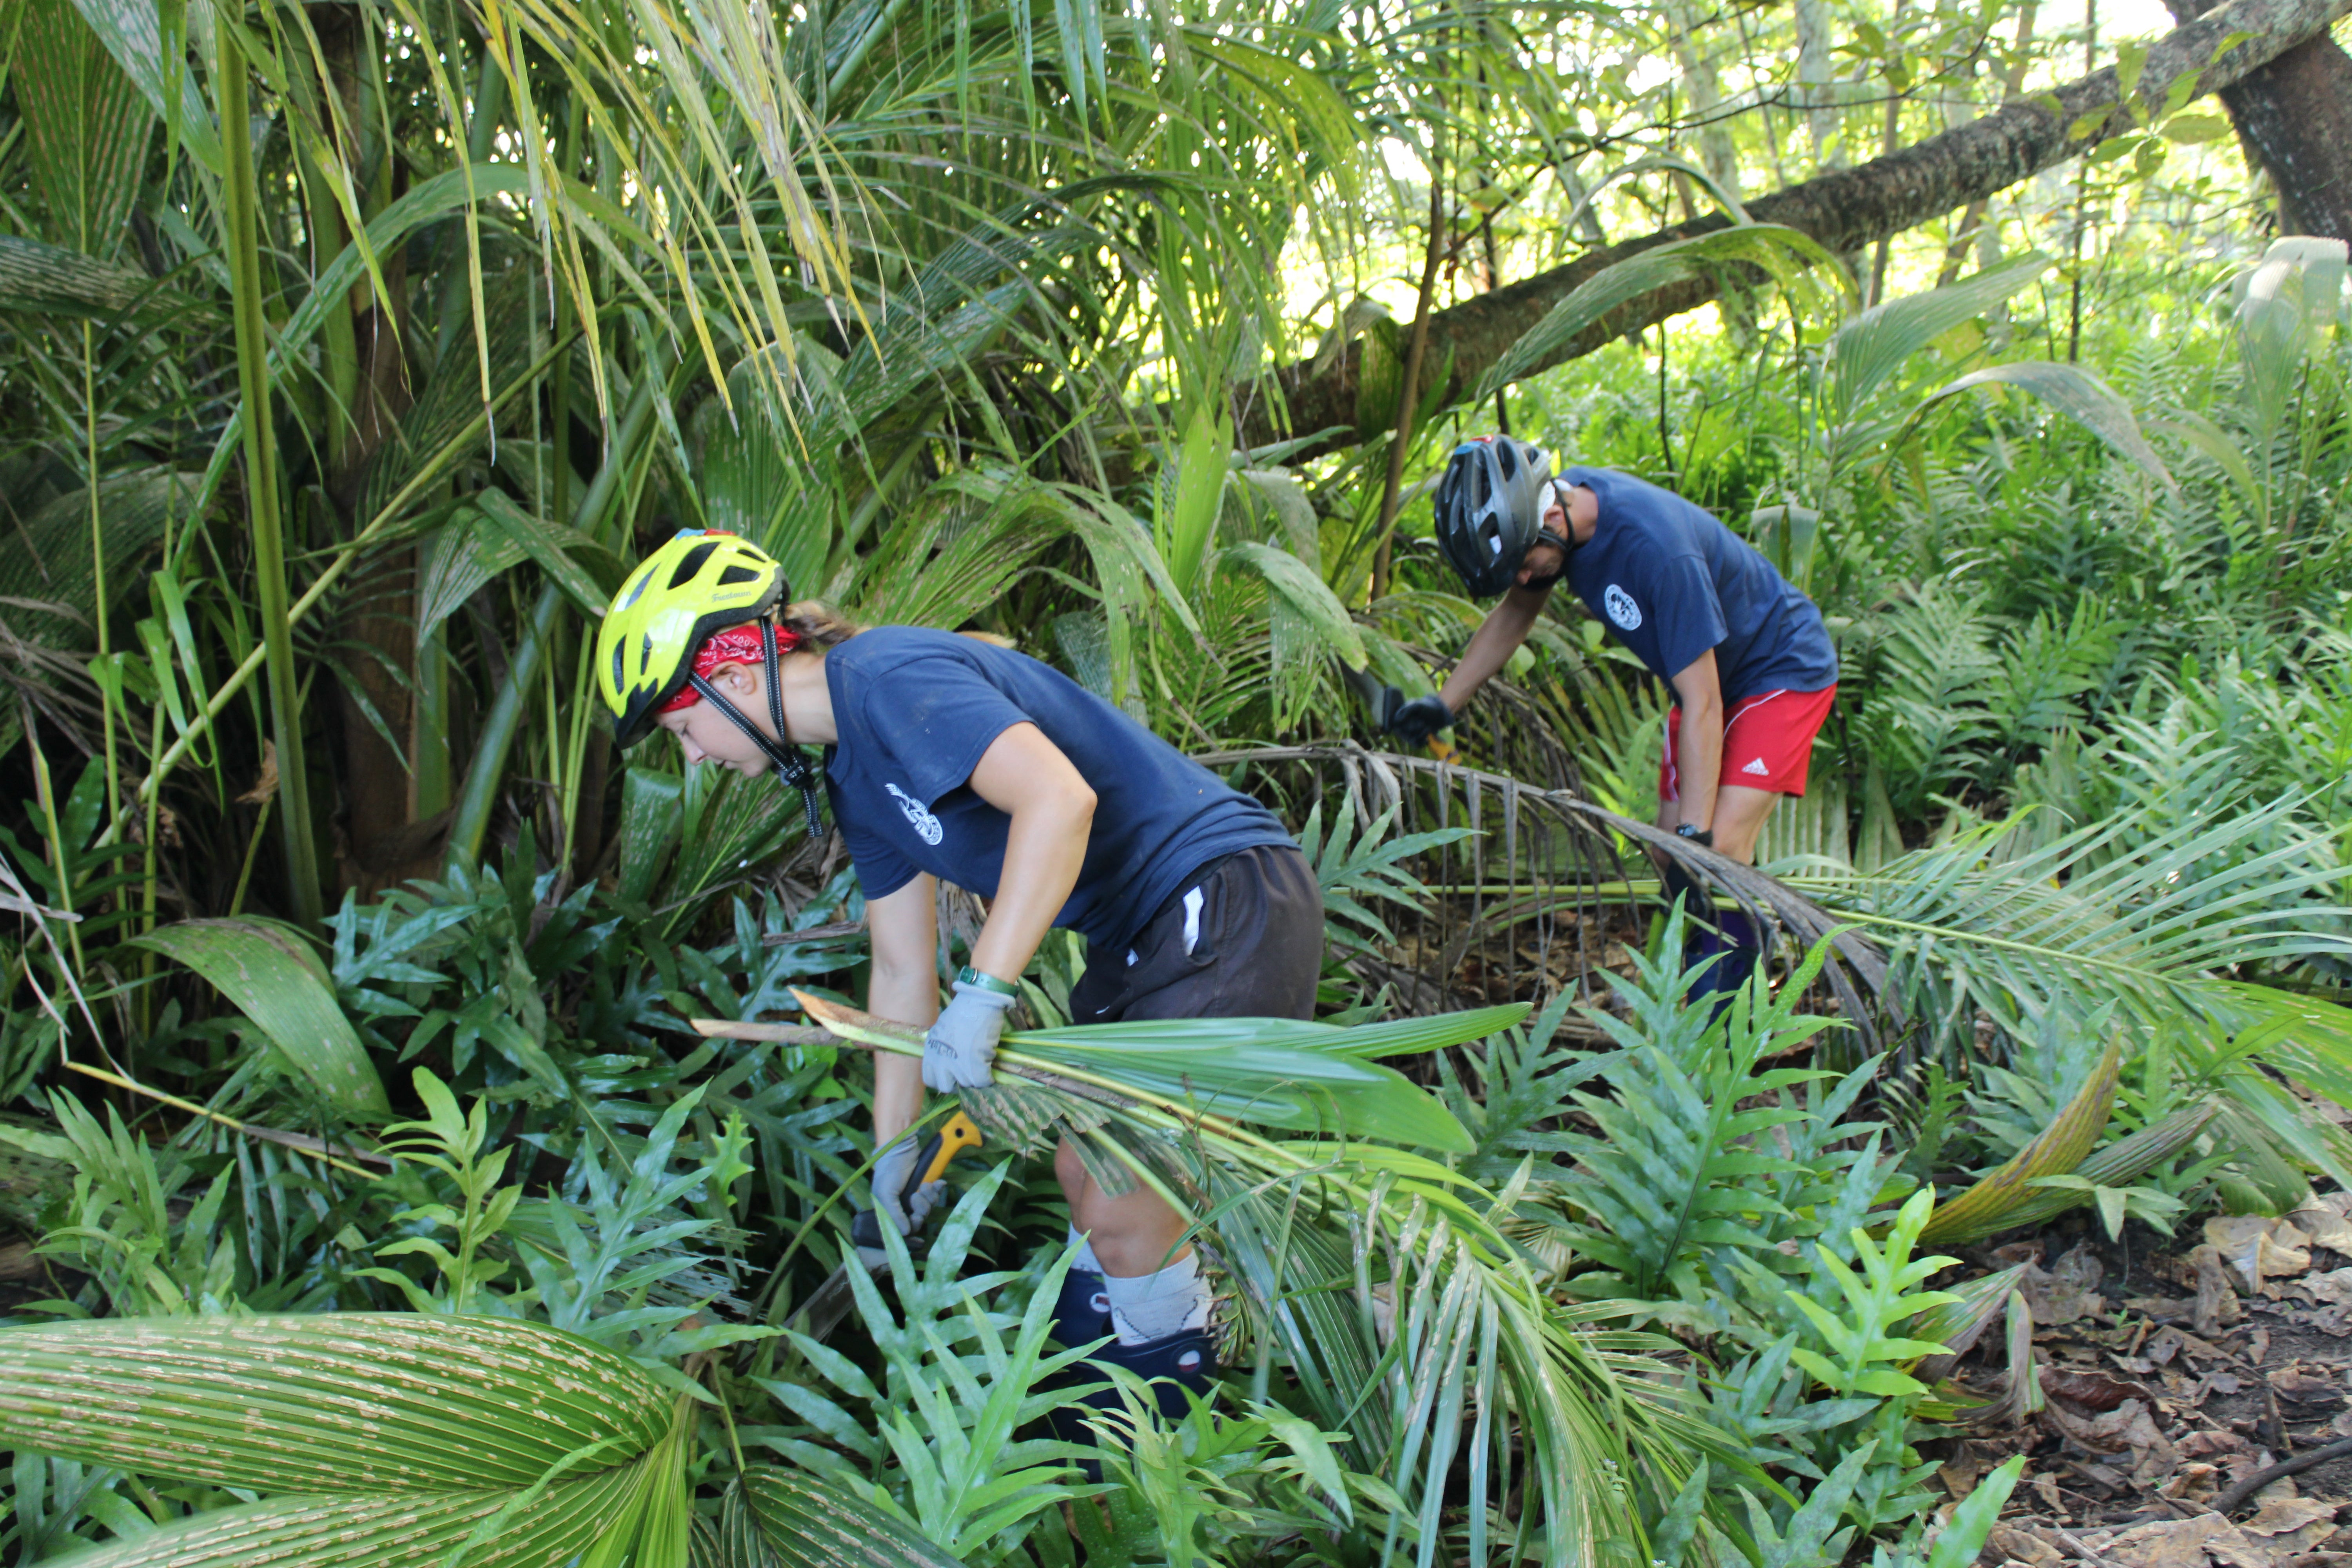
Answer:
(1474, 1363)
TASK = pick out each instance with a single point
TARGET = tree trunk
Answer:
(1845, 210)
(2294, 115)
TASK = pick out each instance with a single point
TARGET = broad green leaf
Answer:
(54, 280)
(1768, 245)
(132, 33)
(1190, 497)
(336, 1401)
(1867, 352)
(86, 128)
(404, 1531)
(1971, 1523)
(274, 978)
(1308, 593)
(812, 1522)
(2193, 130)
(585, 570)
(2210, 439)
(460, 557)
(1985, 1207)
(2072, 391)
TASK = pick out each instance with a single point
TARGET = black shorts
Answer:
(1243, 938)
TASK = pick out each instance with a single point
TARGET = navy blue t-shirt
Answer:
(915, 709)
(1672, 581)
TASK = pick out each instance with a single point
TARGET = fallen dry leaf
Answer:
(2217, 1299)
(2124, 1428)
(2091, 1389)
(2257, 1248)
(2323, 1220)
(2019, 1545)
(2067, 1291)
(2293, 1523)
(2194, 1483)
(2299, 1386)
(2208, 1540)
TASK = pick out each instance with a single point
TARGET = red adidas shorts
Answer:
(1768, 740)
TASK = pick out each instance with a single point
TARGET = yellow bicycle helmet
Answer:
(698, 584)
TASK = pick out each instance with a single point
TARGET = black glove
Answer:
(1415, 721)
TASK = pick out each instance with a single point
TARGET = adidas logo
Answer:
(1758, 768)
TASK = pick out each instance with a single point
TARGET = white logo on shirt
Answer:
(1622, 608)
(925, 825)
(1758, 768)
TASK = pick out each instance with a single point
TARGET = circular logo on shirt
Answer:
(1622, 608)
(926, 826)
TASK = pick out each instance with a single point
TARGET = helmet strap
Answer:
(792, 763)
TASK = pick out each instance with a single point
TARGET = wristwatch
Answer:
(968, 975)
(1703, 837)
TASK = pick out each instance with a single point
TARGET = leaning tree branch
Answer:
(1845, 209)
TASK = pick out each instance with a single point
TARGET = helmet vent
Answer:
(646, 651)
(1507, 454)
(734, 575)
(637, 589)
(620, 680)
(690, 564)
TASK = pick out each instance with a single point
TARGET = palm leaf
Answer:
(1225, 1067)
(274, 978)
(811, 1522)
(86, 127)
(404, 1531)
(2056, 1151)
(384, 1402)
(1780, 250)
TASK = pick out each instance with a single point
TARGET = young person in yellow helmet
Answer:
(947, 757)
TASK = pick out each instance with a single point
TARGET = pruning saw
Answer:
(824, 1308)
(1368, 688)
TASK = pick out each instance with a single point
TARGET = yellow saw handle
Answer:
(959, 1135)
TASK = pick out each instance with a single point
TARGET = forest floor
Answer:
(2171, 1369)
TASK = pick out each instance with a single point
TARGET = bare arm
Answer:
(1491, 646)
(1698, 758)
(906, 990)
(1029, 778)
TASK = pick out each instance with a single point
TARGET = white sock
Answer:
(1086, 1259)
(1151, 1307)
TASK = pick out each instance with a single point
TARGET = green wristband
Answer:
(968, 975)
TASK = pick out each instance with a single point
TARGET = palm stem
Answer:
(263, 515)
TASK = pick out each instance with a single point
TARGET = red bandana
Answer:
(736, 645)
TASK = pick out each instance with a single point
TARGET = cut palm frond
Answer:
(1466, 1365)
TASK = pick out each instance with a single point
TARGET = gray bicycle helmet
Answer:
(1490, 507)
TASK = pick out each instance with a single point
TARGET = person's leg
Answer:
(1245, 940)
(1767, 747)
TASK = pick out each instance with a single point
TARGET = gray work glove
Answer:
(894, 1203)
(961, 1045)
(1415, 721)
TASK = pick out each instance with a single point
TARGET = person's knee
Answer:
(1135, 1233)
(1740, 818)
(1071, 1172)
(1127, 1253)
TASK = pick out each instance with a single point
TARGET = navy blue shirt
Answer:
(1672, 581)
(916, 708)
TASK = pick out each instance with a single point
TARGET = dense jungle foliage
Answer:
(376, 1200)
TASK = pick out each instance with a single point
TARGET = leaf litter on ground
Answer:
(2160, 1390)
